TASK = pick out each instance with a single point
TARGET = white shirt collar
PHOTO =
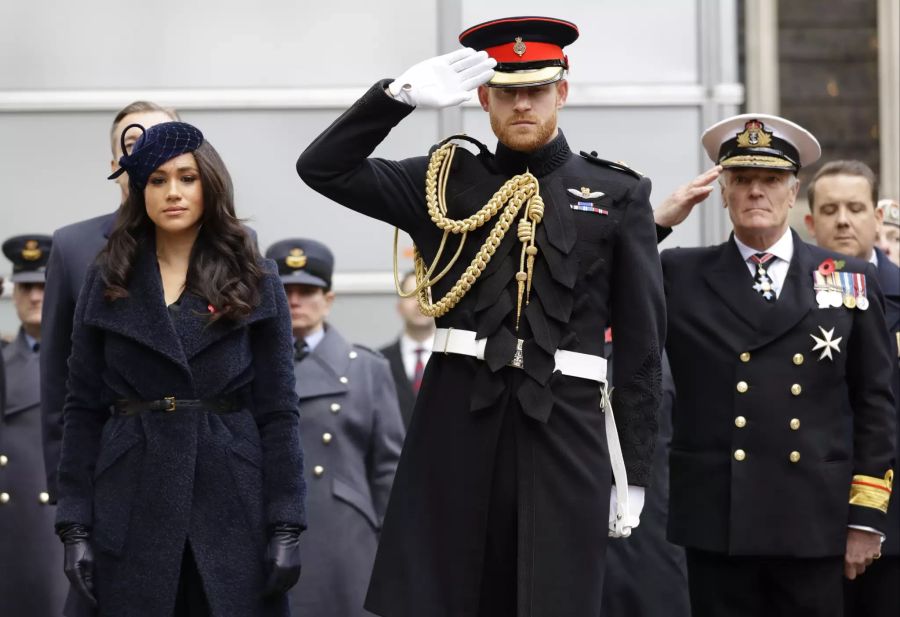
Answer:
(314, 338)
(874, 258)
(782, 249)
(409, 345)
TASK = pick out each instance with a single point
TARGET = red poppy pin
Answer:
(830, 265)
(212, 309)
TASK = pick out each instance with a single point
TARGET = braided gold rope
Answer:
(519, 190)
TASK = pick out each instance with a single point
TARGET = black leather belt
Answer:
(126, 407)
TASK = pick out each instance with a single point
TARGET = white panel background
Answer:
(641, 93)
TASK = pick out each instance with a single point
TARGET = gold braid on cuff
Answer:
(871, 492)
(519, 190)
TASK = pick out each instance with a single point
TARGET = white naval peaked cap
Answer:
(760, 140)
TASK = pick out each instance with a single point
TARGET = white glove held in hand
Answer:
(630, 516)
(444, 81)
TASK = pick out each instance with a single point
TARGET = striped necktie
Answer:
(762, 283)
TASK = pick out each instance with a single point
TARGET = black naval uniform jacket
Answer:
(593, 269)
(748, 380)
(31, 578)
(148, 483)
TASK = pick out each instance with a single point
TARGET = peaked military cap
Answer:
(302, 261)
(29, 255)
(760, 140)
(528, 50)
(891, 211)
(155, 146)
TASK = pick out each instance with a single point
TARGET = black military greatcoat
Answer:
(593, 269)
(747, 379)
(148, 483)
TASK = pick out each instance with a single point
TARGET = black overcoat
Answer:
(31, 579)
(74, 249)
(721, 334)
(148, 483)
(594, 268)
(352, 435)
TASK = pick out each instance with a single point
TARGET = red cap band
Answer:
(534, 52)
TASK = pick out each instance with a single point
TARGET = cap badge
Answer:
(31, 252)
(295, 259)
(755, 135)
(519, 46)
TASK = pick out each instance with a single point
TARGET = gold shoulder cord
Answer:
(518, 190)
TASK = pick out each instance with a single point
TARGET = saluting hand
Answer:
(863, 547)
(676, 207)
(443, 81)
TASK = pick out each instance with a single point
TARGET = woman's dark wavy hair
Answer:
(225, 263)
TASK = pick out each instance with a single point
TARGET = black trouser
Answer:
(877, 592)
(728, 586)
(499, 576)
(190, 601)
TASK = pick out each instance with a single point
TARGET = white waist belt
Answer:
(573, 364)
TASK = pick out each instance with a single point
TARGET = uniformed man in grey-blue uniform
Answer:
(352, 434)
(31, 579)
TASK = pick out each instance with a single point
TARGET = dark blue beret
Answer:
(155, 146)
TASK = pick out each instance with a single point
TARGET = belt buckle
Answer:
(170, 403)
(518, 359)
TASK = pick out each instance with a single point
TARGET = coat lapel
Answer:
(319, 374)
(142, 316)
(797, 297)
(730, 279)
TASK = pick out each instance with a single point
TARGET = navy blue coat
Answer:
(75, 248)
(352, 432)
(146, 484)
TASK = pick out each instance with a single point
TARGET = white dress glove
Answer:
(625, 517)
(445, 80)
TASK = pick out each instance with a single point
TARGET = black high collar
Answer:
(540, 162)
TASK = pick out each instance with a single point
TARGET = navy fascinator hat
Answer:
(155, 146)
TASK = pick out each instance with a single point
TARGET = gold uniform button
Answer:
(4, 498)
(343, 380)
(742, 386)
(318, 471)
(740, 422)
(44, 498)
(795, 456)
(796, 389)
(798, 359)
(4, 461)
(326, 438)
(795, 424)
(353, 355)
(739, 455)
(335, 407)
(745, 357)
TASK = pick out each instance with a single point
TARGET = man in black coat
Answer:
(843, 217)
(74, 249)
(409, 354)
(768, 337)
(31, 580)
(504, 486)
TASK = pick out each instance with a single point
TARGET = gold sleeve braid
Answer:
(507, 201)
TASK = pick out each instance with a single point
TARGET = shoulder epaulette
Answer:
(617, 165)
(483, 150)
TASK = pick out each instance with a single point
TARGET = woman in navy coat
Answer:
(180, 480)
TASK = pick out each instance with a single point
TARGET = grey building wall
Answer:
(263, 79)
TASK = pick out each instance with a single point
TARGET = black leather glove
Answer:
(283, 558)
(78, 561)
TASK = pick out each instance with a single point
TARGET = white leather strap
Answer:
(571, 363)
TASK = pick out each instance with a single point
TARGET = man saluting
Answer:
(524, 256)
